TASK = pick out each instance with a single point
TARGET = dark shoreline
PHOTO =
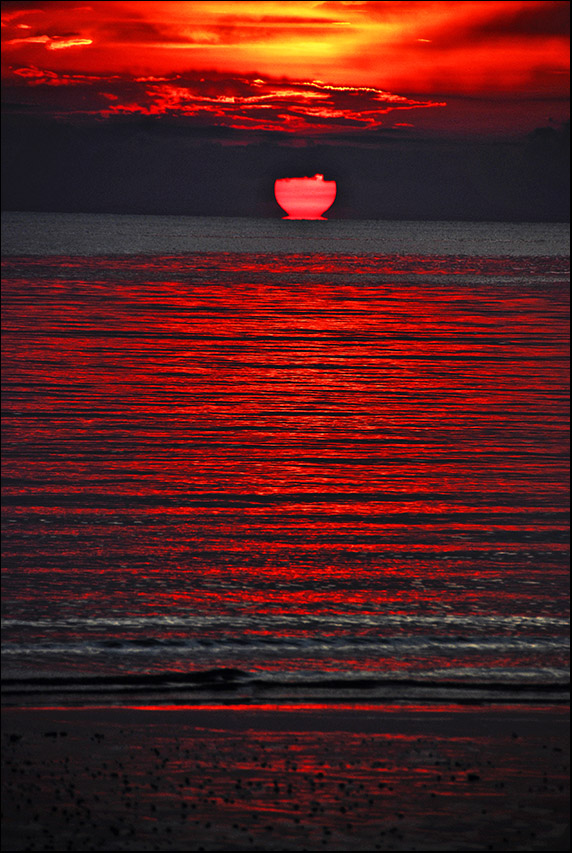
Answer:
(232, 686)
(229, 678)
(286, 778)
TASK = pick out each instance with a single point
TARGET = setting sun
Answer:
(305, 198)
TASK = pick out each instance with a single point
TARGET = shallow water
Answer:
(300, 466)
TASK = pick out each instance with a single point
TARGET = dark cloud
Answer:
(134, 30)
(536, 20)
(490, 22)
(513, 22)
(211, 97)
(36, 5)
(137, 165)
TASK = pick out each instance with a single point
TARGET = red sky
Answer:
(309, 68)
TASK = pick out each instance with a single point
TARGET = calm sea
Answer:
(269, 458)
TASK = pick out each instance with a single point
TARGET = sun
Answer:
(305, 198)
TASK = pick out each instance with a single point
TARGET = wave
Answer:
(247, 686)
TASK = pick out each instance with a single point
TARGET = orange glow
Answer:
(305, 198)
(448, 46)
(374, 57)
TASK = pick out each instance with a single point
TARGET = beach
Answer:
(286, 777)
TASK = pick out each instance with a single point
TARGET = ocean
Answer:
(295, 460)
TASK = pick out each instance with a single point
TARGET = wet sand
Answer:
(286, 777)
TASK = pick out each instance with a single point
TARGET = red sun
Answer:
(305, 198)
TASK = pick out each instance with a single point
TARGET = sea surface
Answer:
(265, 459)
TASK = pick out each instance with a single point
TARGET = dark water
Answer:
(335, 471)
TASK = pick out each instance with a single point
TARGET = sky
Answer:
(418, 109)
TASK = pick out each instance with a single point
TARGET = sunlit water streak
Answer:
(296, 465)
